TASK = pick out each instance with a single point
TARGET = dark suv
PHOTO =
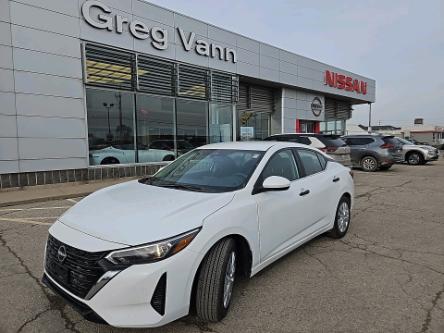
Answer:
(331, 144)
(373, 152)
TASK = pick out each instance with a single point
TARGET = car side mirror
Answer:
(275, 183)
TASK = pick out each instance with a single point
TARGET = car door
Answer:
(358, 148)
(322, 183)
(281, 214)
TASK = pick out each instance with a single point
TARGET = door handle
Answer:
(336, 179)
(304, 193)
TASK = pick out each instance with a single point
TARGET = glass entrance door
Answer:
(308, 126)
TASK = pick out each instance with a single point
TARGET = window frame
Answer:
(260, 179)
(304, 172)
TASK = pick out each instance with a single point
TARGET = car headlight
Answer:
(151, 252)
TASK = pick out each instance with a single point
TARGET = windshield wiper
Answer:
(187, 187)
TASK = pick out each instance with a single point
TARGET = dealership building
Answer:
(110, 88)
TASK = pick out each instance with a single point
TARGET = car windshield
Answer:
(404, 141)
(208, 170)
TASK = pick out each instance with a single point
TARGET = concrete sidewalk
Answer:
(41, 193)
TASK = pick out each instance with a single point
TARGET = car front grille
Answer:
(78, 271)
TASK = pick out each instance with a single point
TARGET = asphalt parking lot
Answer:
(386, 275)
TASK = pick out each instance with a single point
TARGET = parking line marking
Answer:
(40, 218)
(15, 220)
(32, 208)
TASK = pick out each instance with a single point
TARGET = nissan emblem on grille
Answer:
(61, 253)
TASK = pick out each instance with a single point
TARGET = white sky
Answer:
(399, 43)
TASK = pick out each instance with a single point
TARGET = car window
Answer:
(332, 141)
(310, 161)
(323, 160)
(358, 141)
(304, 140)
(281, 164)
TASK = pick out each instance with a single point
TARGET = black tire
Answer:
(369, 164)
(210, 285)
(110, 160)
(415, 158)
(338, 231)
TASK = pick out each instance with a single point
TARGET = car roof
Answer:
(371, 135)
(251, 145)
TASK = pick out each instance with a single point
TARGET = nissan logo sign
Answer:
(61, 253)
(316, 106)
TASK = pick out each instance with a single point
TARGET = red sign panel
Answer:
(347, 83)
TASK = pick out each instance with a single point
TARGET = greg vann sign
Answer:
(100, 16)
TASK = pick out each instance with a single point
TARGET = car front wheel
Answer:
(216, 281)
(415, 159)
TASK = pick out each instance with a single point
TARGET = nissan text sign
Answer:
(347, 83)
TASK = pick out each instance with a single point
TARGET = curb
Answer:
(43, 199)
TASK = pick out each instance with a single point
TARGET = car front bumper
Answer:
(127, 299)
(432, 156)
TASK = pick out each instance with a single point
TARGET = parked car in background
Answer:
(331, 144)
(372, 152)
(415, 154)
(143, 253)
(124, 155)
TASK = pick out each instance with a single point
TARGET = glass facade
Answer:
(129, 127)
(333, 127)
(110, 127)
(253, 125)
(155, 128)
(220, 122)
(143, 109)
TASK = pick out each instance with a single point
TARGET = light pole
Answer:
(369, 128)
(108, 107)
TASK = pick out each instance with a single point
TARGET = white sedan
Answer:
(141, 253)
(112, 155)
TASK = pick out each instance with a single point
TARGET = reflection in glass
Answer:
(192, 120)
(253, 125)
(221, 122)
(155, 129)
(110, 127)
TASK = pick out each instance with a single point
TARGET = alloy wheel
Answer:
(369, 164)
(343, 216)
(229, 279)
(414, 159)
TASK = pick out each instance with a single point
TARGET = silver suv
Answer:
(416, 154)
(372, 152)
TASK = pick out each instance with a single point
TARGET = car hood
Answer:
(133, 213)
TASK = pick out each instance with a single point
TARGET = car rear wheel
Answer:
(342, 219)
(415, 158)
(110, 160)
(216, 281)
(369, 164)
(168, 158)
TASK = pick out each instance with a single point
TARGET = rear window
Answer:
(332, 141)
(390, 140)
